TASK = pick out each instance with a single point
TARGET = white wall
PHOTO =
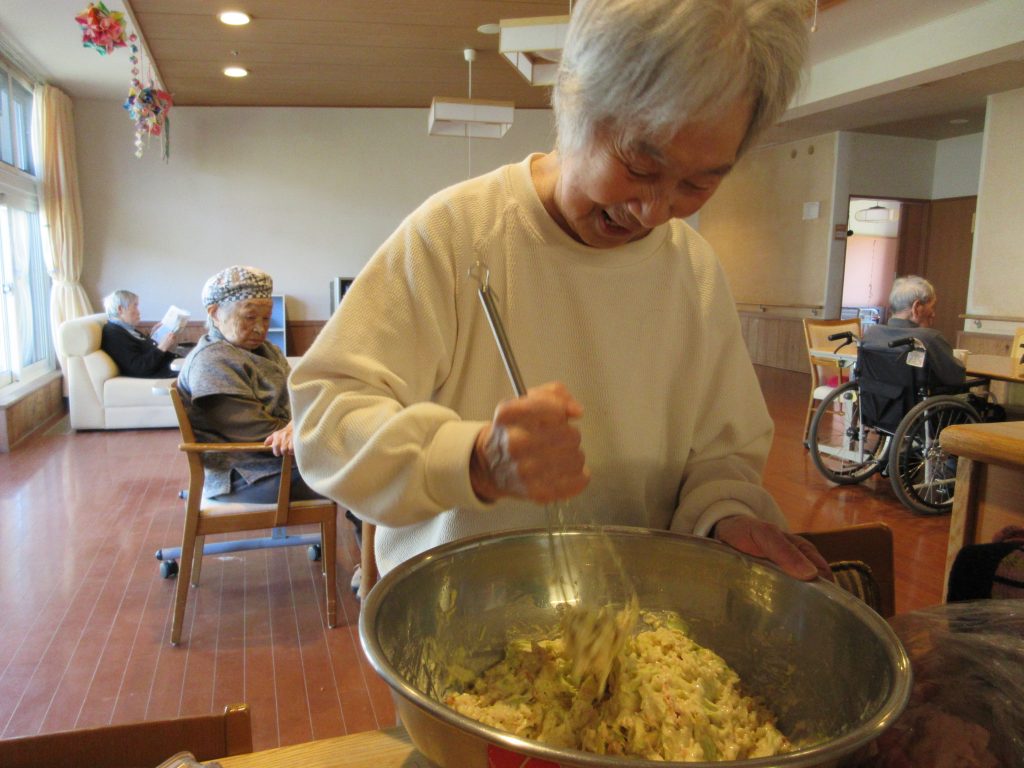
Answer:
(997, 267)
(870, 165)
(770, 253)
(306, 194)
(957, 167)
(890, 166)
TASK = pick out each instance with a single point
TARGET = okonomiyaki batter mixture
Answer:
(667, 698)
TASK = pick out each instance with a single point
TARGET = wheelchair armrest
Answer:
(958, 389)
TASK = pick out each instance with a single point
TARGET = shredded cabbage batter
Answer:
(668, 699)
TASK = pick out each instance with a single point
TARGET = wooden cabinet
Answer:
(279, 323)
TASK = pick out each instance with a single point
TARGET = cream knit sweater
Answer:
(389, 399)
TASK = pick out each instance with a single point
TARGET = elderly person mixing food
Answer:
(234, 387)
(646, 409)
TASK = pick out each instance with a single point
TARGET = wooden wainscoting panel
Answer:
(776, 341)
(41, 404)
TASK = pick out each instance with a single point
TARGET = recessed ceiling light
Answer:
(236, 71)
(489, 29)
(234, 18)
(959, 121)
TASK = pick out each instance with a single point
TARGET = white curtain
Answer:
(61, 208)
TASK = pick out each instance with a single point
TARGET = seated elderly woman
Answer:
(234, 387)
(135, 353)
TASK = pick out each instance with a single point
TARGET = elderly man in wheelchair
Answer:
(889, 418)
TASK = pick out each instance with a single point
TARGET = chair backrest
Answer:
(1017, 353)
(868, 543)
(888, 385)
(816, 333)
(184, 425)
(197, 472)
(134, 745)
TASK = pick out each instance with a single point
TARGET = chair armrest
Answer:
(223, 447)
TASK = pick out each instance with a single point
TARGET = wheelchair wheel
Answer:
(843, 449)
(922, 474)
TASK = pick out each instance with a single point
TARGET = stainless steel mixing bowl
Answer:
(830, 668)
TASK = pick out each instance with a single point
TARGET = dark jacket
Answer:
(943, 368)
(136, 356)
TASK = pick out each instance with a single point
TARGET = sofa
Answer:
(98, 396)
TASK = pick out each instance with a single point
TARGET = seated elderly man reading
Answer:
(234, 387)
(135, 353)
(912, 311)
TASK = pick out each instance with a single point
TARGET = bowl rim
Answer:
(889, 710)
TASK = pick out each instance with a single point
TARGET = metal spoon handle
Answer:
(487, 299)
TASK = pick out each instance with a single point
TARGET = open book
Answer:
(174, 320)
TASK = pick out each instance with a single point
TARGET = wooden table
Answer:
(845, 359)
(997, 367)
(389, 748)
(989, 482)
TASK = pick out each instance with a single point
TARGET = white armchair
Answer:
(99, 397)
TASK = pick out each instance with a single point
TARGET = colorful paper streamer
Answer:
(148, 107)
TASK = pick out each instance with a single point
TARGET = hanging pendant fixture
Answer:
(534, 46)
(470, 118)
(875, 213)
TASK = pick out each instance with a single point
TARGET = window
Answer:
(25, 347)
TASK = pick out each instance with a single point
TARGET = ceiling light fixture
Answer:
(534, 46)
(236, 71)
(875, 213)
(233, 18)
(470, 118)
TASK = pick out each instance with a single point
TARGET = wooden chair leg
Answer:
(197, 560)
(368, 560)
(807, 419)
(329, 553)
(188, 545)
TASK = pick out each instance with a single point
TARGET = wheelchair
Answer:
(889, 418)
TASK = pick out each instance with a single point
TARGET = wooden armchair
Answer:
(816, 333)
(869, 544)
(1017, 353)
(203, 517)
(134, 745)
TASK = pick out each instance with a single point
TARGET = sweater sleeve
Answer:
(734, 431)
(366, 433)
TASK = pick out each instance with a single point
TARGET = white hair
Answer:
(906, 290)
(118, 300)
(643, 68)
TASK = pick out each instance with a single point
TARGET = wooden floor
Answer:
(85, 616)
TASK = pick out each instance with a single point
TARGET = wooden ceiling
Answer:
(352, 53)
